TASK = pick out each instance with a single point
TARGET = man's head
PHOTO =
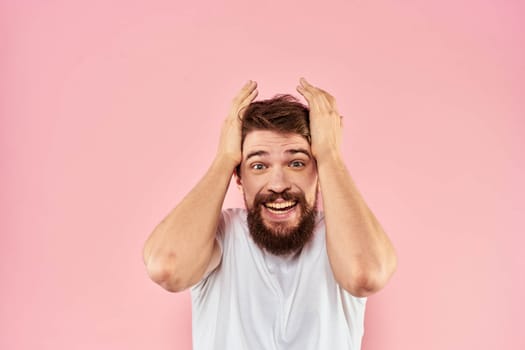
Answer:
(278, 174)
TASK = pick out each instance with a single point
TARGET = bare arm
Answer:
(182, 248)
(361, 255)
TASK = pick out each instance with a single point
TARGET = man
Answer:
(278, 274)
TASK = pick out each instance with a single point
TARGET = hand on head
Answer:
(230, 141)
(325, 121)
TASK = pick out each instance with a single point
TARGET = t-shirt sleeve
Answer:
(354, 308)
(219, 238)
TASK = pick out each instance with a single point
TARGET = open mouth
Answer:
(280, 207)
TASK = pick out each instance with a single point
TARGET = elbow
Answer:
(162, 272)
(365, 282)
(361, 286)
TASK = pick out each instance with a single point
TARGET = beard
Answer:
(281, 239)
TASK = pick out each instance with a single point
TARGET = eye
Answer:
(297, 164)
(258, 166)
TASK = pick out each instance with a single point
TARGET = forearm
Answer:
(179, 249)
(361, 255)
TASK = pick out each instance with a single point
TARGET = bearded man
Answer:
(279, 274)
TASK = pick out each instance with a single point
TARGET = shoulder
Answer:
(231, 220)
(233, 216)
(320, 224)
(234, 213)
(319, 220)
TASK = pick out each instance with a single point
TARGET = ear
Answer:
(238, 181)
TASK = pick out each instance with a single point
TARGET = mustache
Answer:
(261, 198)
(281, 239)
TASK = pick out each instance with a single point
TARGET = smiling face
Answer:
(278, 178)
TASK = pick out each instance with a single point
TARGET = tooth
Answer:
(280, 205)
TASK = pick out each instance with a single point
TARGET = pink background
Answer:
(110, 113)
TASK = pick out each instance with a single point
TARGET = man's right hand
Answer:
(183, 247)
(230, 141)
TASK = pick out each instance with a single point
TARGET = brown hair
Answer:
(283, 113)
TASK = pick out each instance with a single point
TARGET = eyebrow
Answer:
(289, 151)
(299, 150)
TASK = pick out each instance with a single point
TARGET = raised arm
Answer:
(361, 256)
(182, 248)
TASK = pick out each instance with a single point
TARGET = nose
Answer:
(278, 181)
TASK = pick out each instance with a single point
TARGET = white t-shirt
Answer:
(255, 300)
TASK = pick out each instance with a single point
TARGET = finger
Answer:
(253, 94)
(315, 103)
(310, 92)
(249, 99)
(318, 93)
(305, 83)
(249, 83)
(246, 90)
(314, 89)
(307, 86)
(307, 94)
(249, 86)
(244, 104)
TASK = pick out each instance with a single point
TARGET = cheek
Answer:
(249, 189)
(254, 182)
(311, 186)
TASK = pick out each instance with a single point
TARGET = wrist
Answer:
(328, 156)
(226, 161)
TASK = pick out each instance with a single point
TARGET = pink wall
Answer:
(110, 113)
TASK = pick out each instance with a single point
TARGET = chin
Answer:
(280, 228)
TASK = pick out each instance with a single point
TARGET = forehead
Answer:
(271, 140)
